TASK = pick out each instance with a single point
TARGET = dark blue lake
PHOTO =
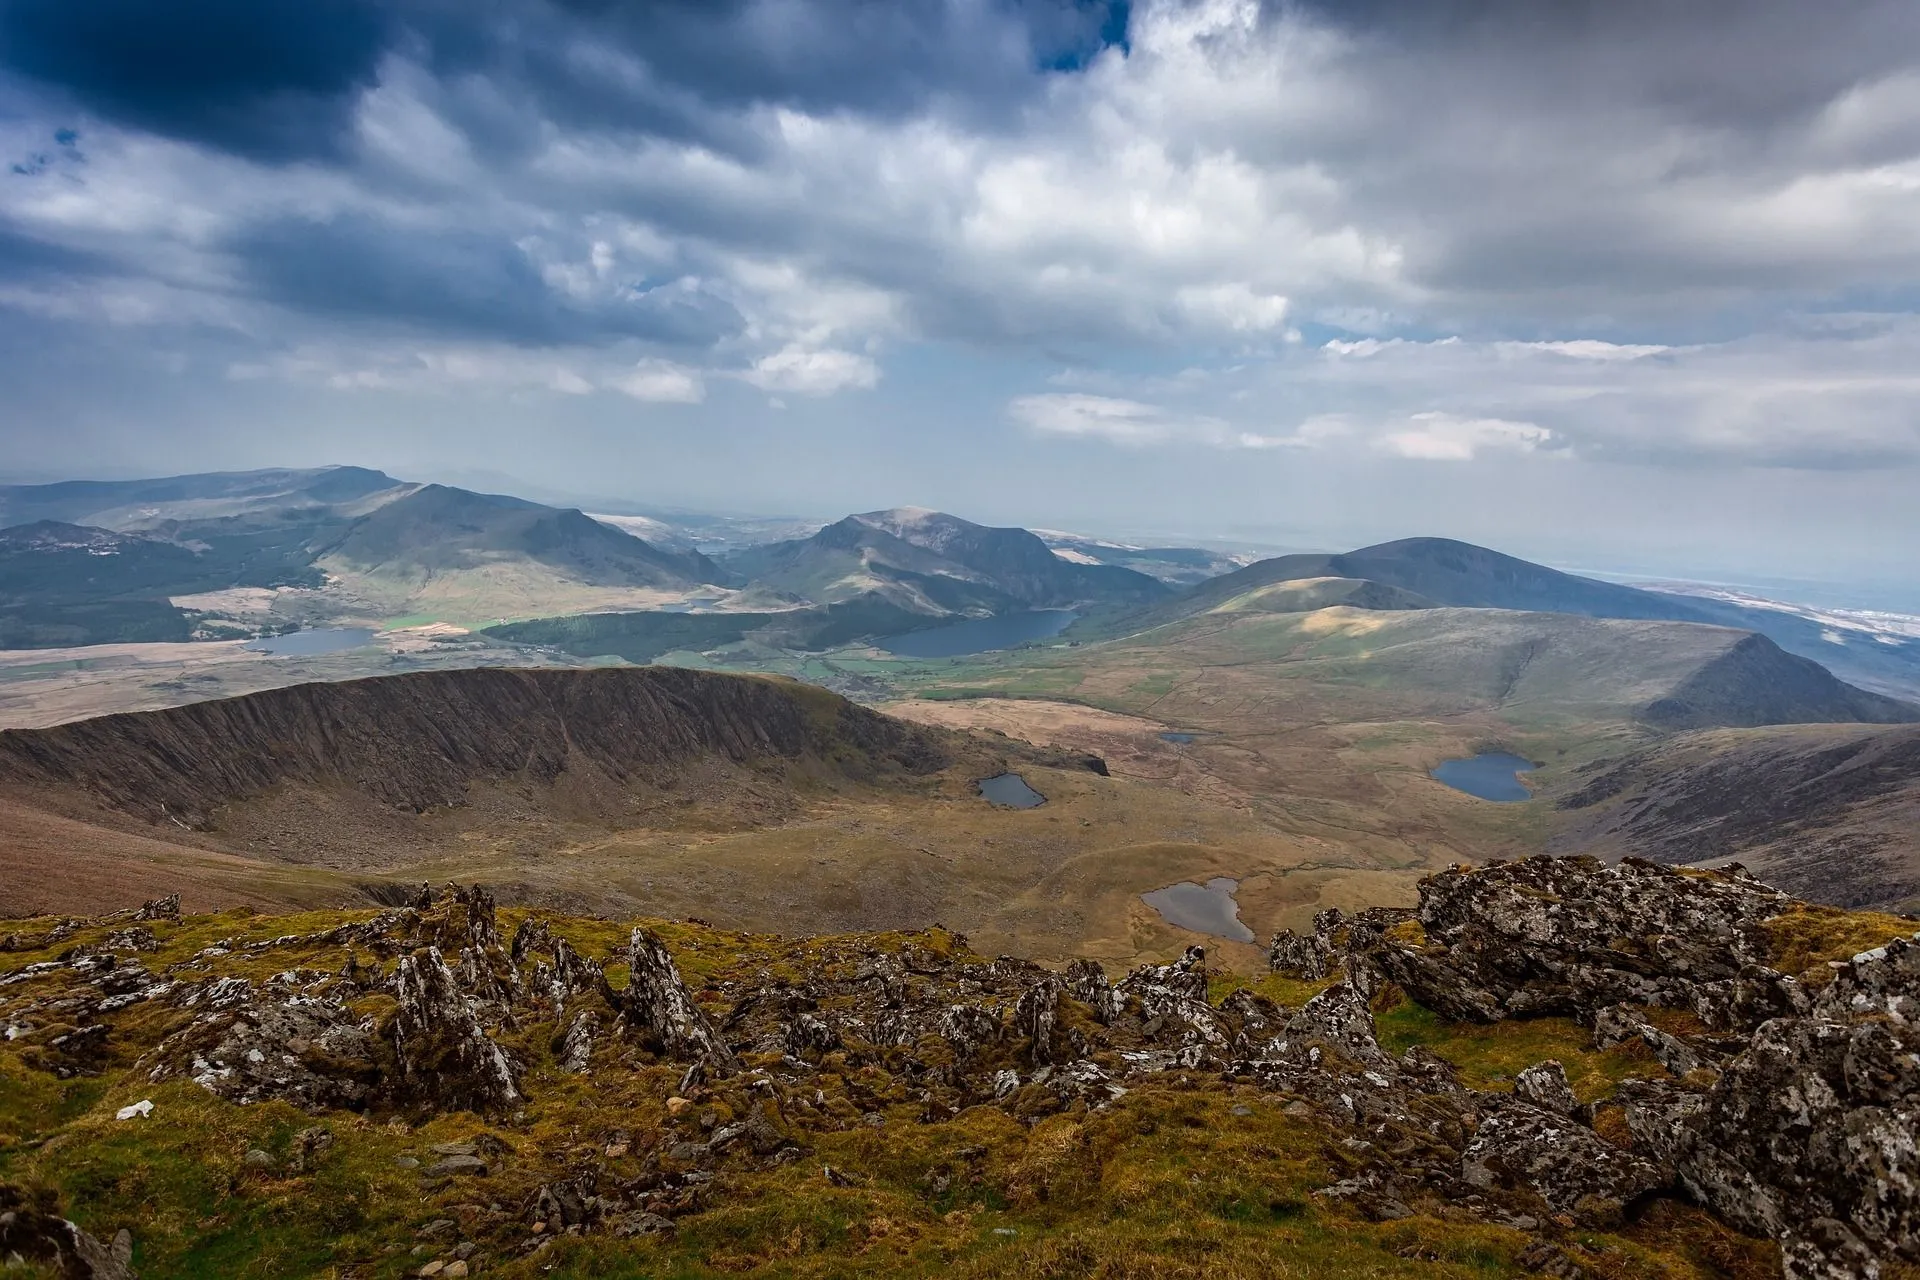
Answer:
(1204, 908)
(979, 635)
(1491, 775)
(1179, 737)
(1011, 790)
(306, 644)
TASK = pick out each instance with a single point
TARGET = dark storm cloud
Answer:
(267, 79)
(467, 285)
(275, 79)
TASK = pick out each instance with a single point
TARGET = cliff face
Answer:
(418, 741)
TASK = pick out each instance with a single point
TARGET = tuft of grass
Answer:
(1806, 935)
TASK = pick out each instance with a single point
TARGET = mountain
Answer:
(933, 563)
(1449, 573)
(567, 775)
(1828, 811)
(140, 504)
(157, 559)
(434, 531)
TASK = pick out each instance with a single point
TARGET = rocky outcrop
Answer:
(1811, 1134)
(1571, 936)
(1788, 1108)
(441, 1053)
(657, 1005)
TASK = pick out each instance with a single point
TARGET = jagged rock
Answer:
(1567, 1165)
(1550, 935)
(969, 1029)
(1339, 1016)
(441, 1052)
(1544, 1085)
(1304, 956)
(1087, 982)
(576, 1049)
(1811, 1135)
(807, 1034)
(167, 908)
(1036, 1018)
(32, 1229)
(1185, 977)
(658, 1004)
(308, 1051)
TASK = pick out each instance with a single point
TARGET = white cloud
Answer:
(1446, 437)
(813, 373)
(661, 382)
(1094, 417)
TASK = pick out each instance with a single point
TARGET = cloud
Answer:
(269, 79)
(813, 372)
(1446, 437)
(466, 284)
(659, 382)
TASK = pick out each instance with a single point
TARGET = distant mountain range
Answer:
(929, 562)
(1439, 572)
(88, 562)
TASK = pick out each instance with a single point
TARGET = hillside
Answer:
(429, 541)
(1544, 1068)
(1832, 812)
(932, 563)
(421, 741)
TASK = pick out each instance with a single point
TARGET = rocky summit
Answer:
(1551, 1066)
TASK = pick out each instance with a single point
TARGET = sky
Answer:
(1631, 284)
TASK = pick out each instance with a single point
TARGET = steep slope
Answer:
(1831, 813)
(932, 562)
(420, 741)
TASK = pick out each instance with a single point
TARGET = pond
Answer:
(1203, 908)
(1174, 736)
(307, 644)
(979, 635)
(1491, 775)
(1010, 789)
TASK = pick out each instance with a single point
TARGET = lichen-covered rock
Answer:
(1811, 1134)
(1567, 1165)
(1544, 1085)
(307, 1051)
(32, 1230)
(1036, 1018)
(1569, 936)
(1298, 955)
(441, 1052)
(576, 1048)
(658, 1005)
(1087, 982)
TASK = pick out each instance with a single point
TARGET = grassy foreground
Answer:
(1186, 1176)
